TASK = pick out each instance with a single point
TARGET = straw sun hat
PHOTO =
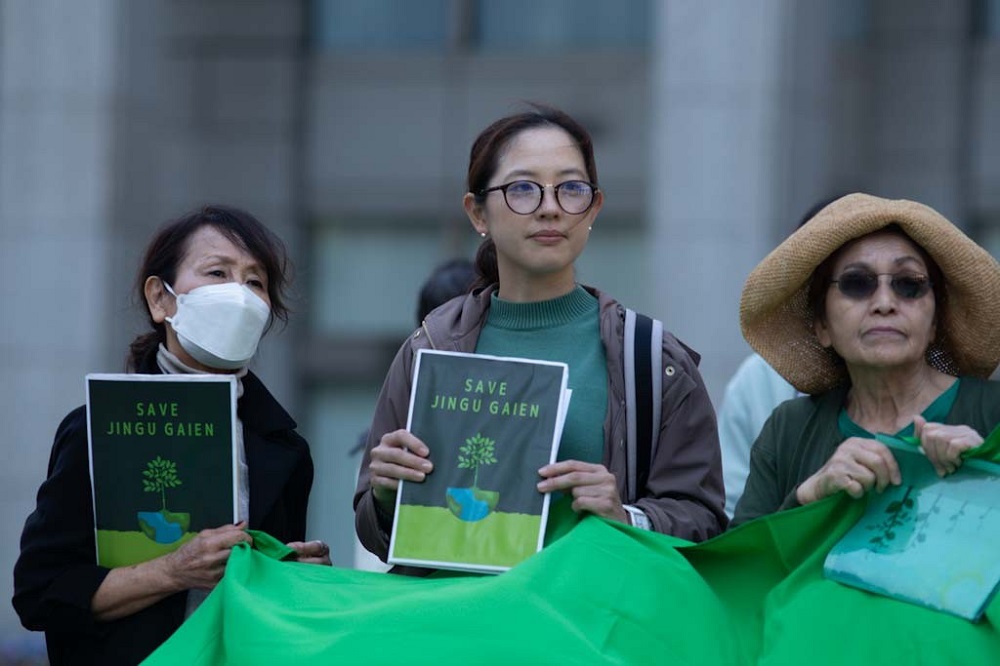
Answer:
(777, 320)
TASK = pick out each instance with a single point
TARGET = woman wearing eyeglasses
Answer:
(533, 197)
(886, 314)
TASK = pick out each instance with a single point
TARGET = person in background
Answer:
(212, 282)
(454, 277)
(533, 197)
(751, 395)
(448, 280)
(884, 313)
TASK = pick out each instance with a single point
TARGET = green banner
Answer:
(603, 593)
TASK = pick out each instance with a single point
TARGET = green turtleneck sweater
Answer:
(564, 329)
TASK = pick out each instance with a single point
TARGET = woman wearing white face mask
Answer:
(212, 283)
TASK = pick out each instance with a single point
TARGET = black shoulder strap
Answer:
(643, 388)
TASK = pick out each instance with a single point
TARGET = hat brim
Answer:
(777, 321)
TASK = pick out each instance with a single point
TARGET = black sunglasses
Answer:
(859, 285)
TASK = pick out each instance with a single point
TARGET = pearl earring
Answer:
(483, 234)
(590, 228)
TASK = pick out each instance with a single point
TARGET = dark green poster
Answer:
(162, 458)
(490, 423)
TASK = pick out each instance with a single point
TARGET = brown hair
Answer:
(169, 246)
(485, 157)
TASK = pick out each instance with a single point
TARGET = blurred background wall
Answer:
(346, 124)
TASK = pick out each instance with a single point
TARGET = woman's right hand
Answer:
(857, 466)
(944, 444)
(398, 455)
(200, 563)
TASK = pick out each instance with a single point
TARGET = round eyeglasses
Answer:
(524, 197)
(859, 285)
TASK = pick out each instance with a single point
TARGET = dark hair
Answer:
(824, 273)
(485, 157)
(820, 204)
(166, 252)
(450, 279)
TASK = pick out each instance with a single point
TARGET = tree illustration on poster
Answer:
(162, 526)
(472, 504)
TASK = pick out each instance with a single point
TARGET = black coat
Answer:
(56, 574)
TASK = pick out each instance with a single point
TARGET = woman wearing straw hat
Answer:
(887, 316)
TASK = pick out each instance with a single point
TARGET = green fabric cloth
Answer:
(562, 606)
(268, 546)
(604, 593)
(565, 329)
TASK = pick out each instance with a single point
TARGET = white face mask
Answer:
(219, 325)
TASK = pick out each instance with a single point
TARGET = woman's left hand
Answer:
(593, 487)
(943, 444)
(311, 552)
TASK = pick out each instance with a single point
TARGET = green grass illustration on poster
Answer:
(161, 460)
(489, 423)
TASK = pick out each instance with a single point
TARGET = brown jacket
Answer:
(684, 495)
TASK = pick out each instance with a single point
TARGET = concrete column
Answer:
(57, 64)
(920, 99)
(715, 141)
(740, 138)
